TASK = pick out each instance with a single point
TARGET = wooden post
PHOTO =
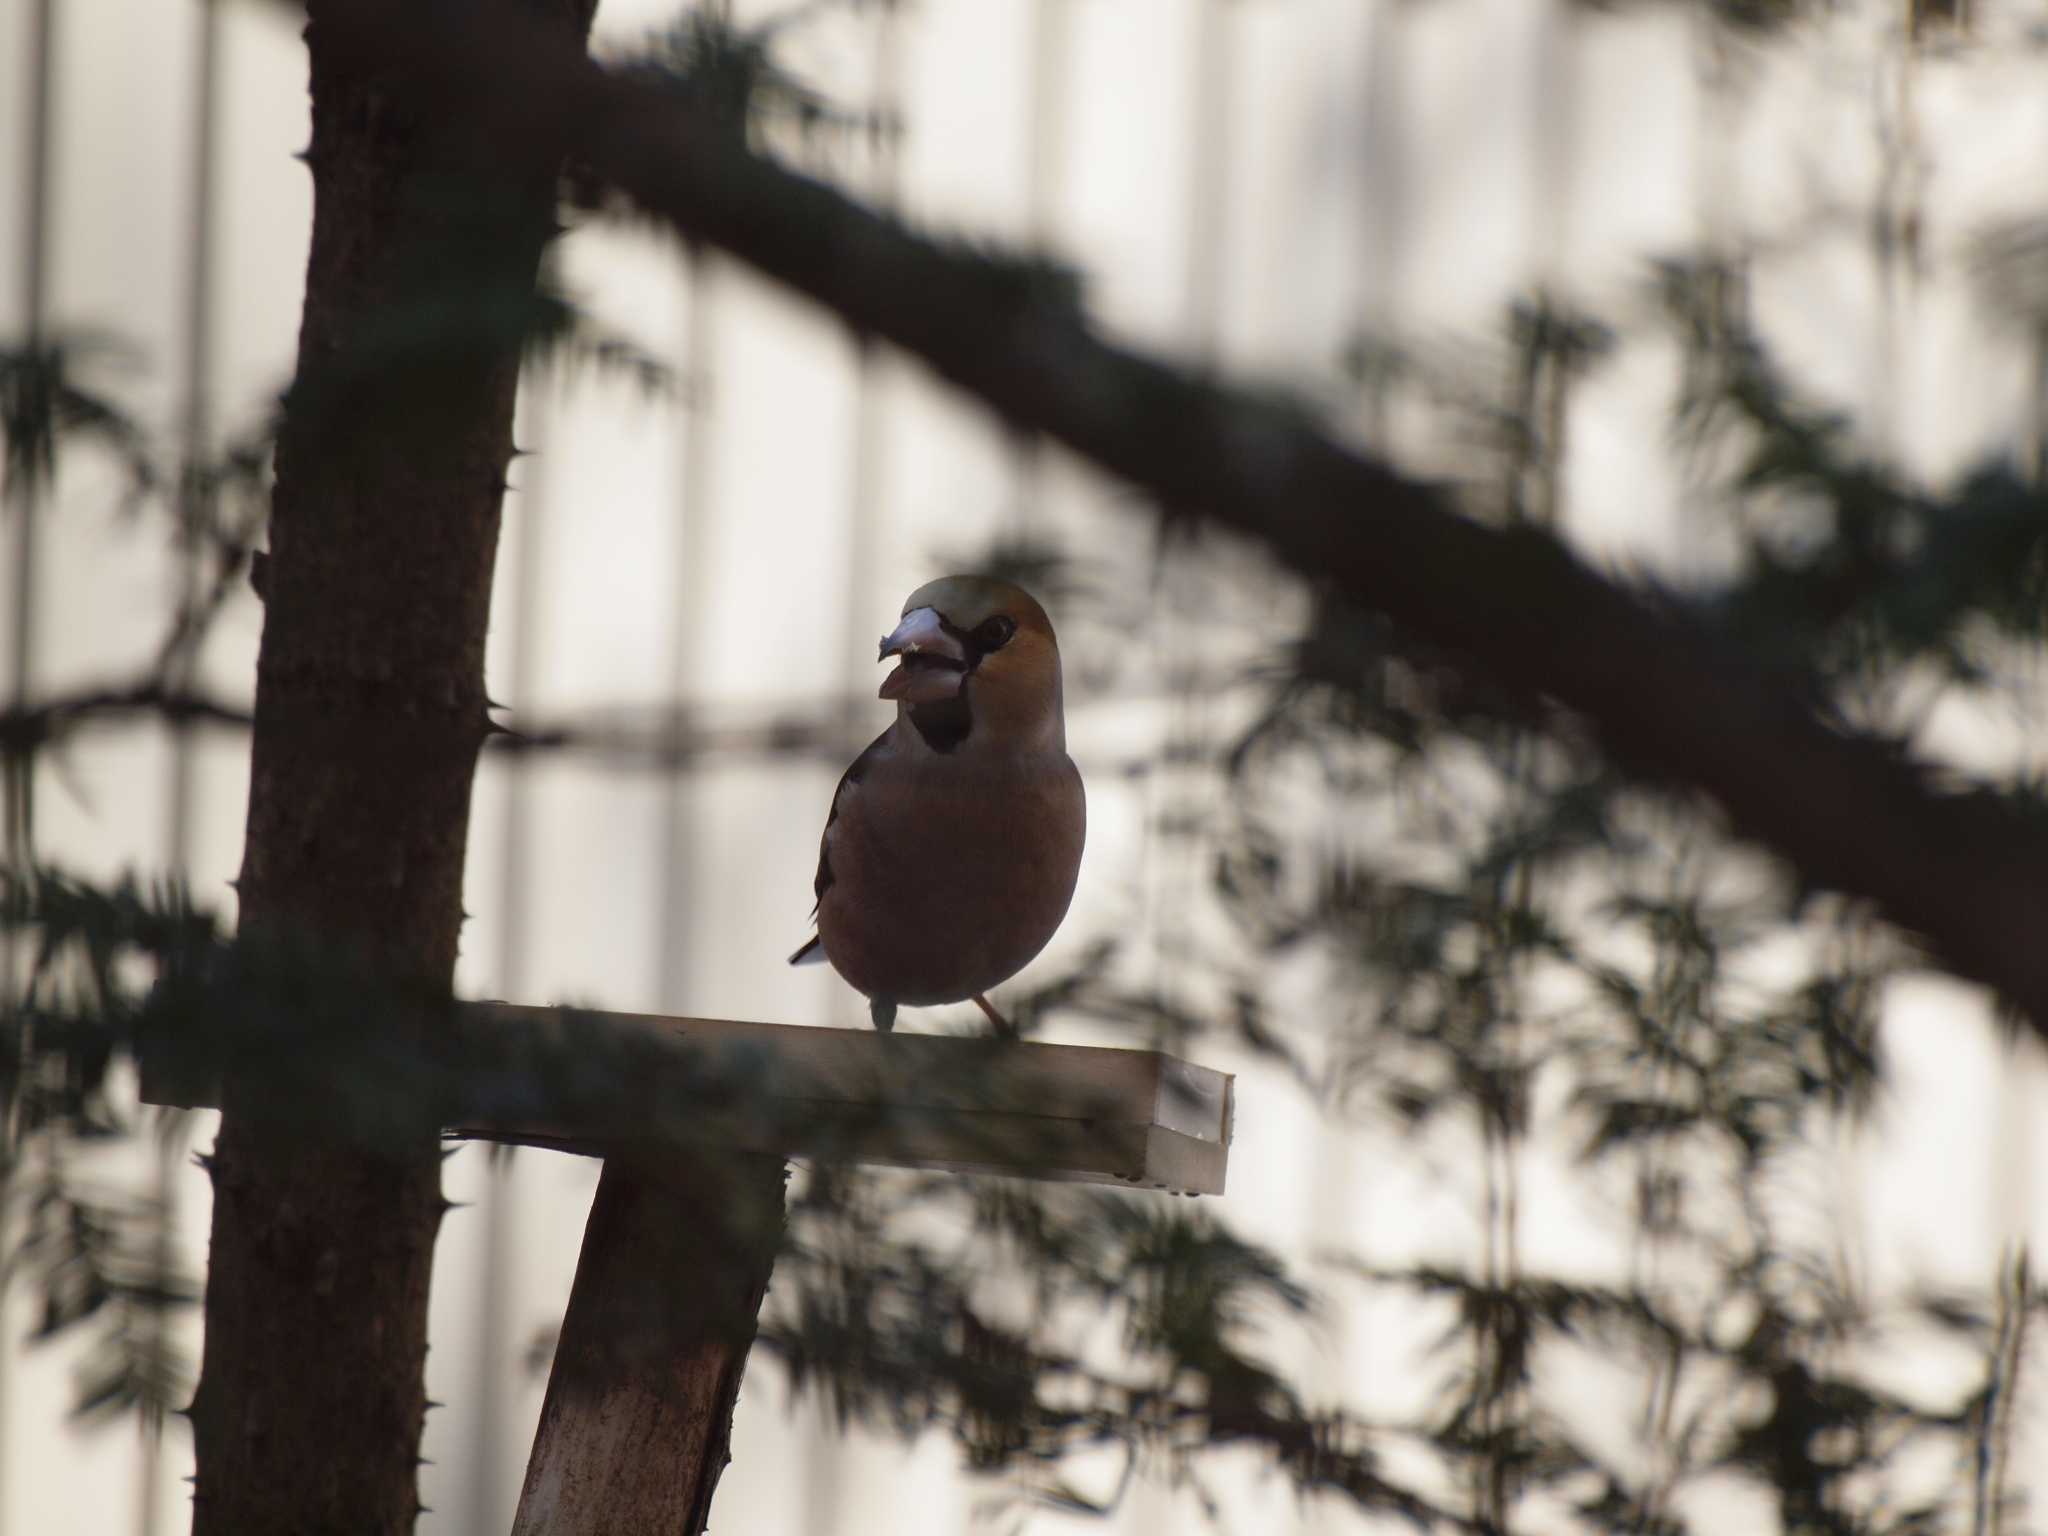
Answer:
(694, 1118)
(637, 1423)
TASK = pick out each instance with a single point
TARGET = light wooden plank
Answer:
(592, 1082)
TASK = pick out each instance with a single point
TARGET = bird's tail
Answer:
(811, 953)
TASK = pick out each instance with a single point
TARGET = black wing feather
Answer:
(853, 775)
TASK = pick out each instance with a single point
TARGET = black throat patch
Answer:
(944, 723)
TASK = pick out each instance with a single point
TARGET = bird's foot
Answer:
(883, 1012)
(1004, 1029)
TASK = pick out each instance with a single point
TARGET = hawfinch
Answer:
(954, 840)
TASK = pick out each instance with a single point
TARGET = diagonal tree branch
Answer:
(1672, 699)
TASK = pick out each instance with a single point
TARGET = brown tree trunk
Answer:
(369, 712)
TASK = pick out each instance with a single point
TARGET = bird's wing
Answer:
(813, 950)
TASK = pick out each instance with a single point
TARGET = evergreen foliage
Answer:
(1514, 946)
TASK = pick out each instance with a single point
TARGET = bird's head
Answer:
(975, 655)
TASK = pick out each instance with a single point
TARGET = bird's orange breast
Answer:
(950, 876)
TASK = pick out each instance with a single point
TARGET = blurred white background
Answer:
(1250, 182)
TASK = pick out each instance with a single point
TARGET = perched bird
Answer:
(954, 840)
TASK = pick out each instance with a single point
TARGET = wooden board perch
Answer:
(591, 1082)
(694, 1118)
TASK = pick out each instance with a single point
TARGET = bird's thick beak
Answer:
(932, 663)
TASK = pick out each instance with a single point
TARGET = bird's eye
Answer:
(993, 634)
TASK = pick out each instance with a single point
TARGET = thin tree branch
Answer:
(1672, 700)
(32, 726)
(621, 739)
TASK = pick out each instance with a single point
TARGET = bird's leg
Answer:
(1005, 1030)
(883, 1011)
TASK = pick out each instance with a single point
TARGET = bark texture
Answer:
(637, 1423)
(370, 709)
